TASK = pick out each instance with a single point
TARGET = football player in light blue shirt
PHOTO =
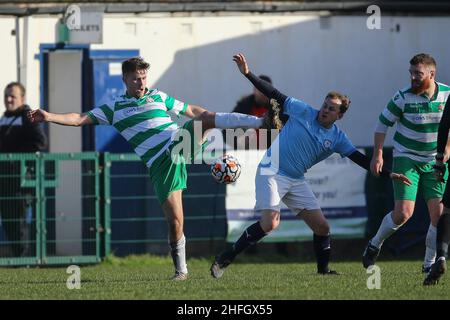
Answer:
(308, 137)
(309, 141)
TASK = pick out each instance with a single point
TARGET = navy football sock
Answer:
(322, 249)
(251, 235)
(443, 236)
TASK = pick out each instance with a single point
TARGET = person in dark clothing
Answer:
(257, 104)
(443, 225)
(17, 135)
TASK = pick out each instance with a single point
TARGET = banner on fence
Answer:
(337, 182)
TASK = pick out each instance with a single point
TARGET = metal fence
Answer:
(80, 207)
(137, 222)
(49, 209)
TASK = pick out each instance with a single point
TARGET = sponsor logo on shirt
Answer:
(131, 110)
(427, 118)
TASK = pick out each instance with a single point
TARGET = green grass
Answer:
(146, 277)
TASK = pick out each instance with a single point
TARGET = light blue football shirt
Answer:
(303, 142)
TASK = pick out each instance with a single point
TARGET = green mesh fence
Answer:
(73, 208)
(50, 209)
(134, 216)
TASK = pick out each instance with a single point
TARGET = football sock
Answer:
(387, 228)
(430, 246)
(178, 253)
(322, 249)
(251, 235)
(443, 235)
(237, 120)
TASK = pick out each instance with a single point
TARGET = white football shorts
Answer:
(273, 188)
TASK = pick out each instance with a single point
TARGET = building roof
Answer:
(34, 7)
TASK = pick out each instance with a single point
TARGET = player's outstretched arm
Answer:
(364, 162)
(376, 164)
(265, 87)
(68, 119)
(193, 111)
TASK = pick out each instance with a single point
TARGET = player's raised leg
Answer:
(222, 120)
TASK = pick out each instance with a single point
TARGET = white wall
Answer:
(306, 55)
(7, 55)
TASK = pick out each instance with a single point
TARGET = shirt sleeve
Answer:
(101, 115)
(294, 107)
(344, 146)
(393, 110)
(173, 105)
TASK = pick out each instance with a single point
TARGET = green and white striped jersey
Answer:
(417, 120)
(143, 122)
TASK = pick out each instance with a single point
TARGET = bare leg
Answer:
(173, 210)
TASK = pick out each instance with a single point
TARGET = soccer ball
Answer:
(226, 169)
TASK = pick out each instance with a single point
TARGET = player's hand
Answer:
(36, 116)
(241, 63)
(401, 178)
(439, 171)
(446, 157)
(376, 165)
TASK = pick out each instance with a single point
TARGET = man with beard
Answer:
(417, 110)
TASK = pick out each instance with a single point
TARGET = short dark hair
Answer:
(423, 58)
(16, 84)
(265, 78)
(134, 64)
(345, 101)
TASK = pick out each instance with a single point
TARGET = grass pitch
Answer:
(146, 277)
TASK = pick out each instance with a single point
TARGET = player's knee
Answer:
(175, 226)
(270, 224)
(323, 229)
(274, 224)
(401, 215)
(403, 210)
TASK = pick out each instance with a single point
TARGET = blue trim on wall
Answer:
(113, 54)
(330, 213)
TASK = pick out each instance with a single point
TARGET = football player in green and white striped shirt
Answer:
(417, 111)
(141, 117)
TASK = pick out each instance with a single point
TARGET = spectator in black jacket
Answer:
(17, 135)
